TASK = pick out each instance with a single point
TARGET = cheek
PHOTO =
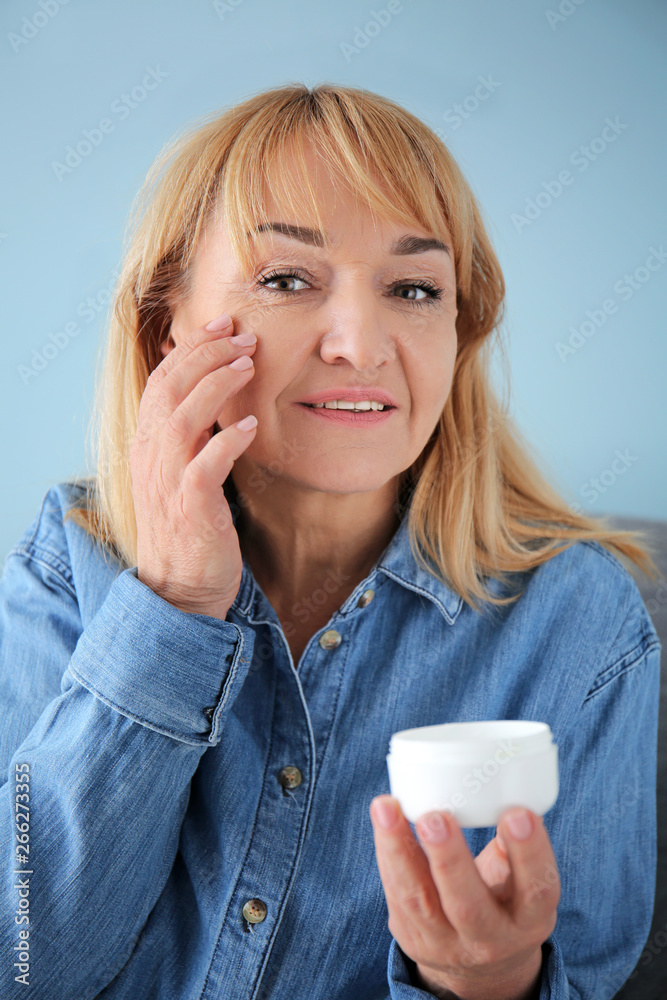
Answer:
(430, 372)
(275, 369)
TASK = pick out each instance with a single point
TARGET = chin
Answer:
(339, 476)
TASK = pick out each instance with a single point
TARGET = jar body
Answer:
(471, 780)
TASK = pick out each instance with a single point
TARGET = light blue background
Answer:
(555, 82)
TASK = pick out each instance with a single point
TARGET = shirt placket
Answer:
(274, 841)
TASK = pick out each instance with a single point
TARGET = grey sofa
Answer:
(649, 979)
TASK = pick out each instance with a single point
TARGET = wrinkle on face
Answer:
(317, 490)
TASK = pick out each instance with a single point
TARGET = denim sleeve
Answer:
(104, 767)
(603, 830)
(605, 833)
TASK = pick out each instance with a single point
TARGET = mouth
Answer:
(363, 407)
(352, 415)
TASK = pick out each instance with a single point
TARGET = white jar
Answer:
(474, 770)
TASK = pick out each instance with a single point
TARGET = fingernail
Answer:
(433, 828)
(385, 813)
(220, 323)
(243, 339)
(520, 825)
(247, 423)
(242, 364)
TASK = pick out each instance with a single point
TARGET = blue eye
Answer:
(434, 293)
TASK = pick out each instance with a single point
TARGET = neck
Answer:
(298, 540)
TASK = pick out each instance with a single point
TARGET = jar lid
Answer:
(463, 741)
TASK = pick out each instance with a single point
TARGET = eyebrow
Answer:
(403, 246)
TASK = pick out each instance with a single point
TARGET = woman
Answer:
(359, 573)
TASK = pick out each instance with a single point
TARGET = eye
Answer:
(433, 292)
(266, 279)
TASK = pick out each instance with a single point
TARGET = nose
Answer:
(359, 331)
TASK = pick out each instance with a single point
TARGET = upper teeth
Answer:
(346, 404)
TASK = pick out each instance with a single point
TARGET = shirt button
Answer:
(330, 639)
(365, 598)
(254, 911)
(290, 777)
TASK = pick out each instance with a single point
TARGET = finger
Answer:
(470, 905)
(200, 335)
(210, 468)
(534, 878)
(170, 382)
(197, 414)
(493, 865)
(412, 897)
(168, 391)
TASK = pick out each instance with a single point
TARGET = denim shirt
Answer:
(161, 815)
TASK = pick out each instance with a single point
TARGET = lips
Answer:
(353, 394)
(348, 418)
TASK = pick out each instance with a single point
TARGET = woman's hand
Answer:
(473, 926)
(187, 547)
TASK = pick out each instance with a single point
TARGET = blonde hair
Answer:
(478, 503)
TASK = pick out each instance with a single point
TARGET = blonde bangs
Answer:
(358, 145)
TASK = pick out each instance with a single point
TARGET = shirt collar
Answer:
(397, 562)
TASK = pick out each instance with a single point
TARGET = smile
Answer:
(352, 414)
(347, 404)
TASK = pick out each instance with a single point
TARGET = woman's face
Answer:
(351, 317)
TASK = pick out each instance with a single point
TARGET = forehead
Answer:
(336, 198)
(346, 218)
(356, 240)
